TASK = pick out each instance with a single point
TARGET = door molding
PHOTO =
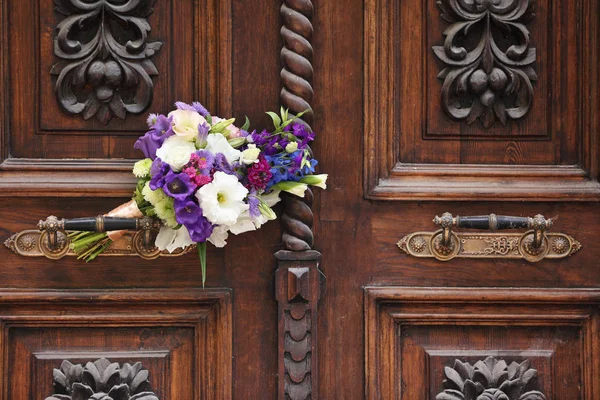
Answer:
(391, 311)
(204, 314)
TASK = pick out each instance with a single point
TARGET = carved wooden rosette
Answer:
(101, 380)
(300, 285)
(104, 66)
(490, 379)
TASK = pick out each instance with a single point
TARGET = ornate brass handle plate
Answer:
(50, 240)
(533, 245)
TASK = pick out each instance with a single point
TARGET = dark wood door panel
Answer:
(453, 113)
(84, 144)
(182, 338)
(426, 343)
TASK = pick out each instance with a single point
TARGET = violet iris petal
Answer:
(178, 186)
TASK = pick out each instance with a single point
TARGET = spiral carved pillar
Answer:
(299, 282)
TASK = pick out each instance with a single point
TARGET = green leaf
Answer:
(237, 142)
(208, 119)
(246, 125)
(275, 118)
(284, 113)
(202, 254)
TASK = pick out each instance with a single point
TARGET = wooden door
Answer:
(471, 107)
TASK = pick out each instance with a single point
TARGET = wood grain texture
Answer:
(356, 236)
(413, 150)
(411, 333)
(182, 336)
(299, 287)
(41, 135)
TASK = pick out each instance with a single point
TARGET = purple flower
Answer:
(187, 211)
(201, 230)
(195, 106)
(253, 202)
(200, 109)
(203, 134)
(303, 135)
(155, 137)
(158, 171)
(148, 145)
(204, 160)
(190, 215)
(184, 106)
(221, 164)
(178, 186)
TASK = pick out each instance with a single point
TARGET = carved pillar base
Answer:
(299, 286)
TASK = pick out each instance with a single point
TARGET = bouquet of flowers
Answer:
(205, 177)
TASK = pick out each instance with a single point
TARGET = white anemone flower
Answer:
(222, 200)
(217, 143)
(186, 122)
(176, 151)
(173, 239)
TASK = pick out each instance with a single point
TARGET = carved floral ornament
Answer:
(490, 379)
(101, 380)
(105, 67)
(487, 60)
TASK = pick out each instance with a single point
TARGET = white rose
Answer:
(186, 122)
(176, 151)
(250, 155)
(217, 143)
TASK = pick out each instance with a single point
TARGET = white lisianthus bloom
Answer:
(295, 188)
(217, 143)
(272, 198)
(243, 224)
(173, 239)
(186, 122)
(316, 180)
(219, 236)
(250, 155)
(222, 200)
(176, 151)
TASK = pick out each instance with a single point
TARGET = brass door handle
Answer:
(494, 222)
(535, 244)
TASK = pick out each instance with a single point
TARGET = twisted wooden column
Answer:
(299, 282)
(296, 94)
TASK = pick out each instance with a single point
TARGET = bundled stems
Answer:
(88, 245)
